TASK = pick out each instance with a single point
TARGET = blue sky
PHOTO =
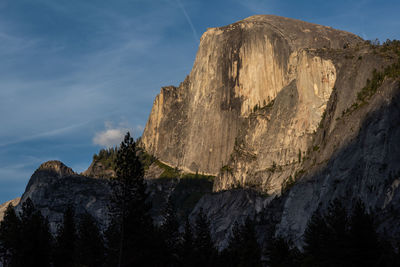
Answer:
(75, 75)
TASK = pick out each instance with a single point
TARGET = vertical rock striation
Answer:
(253, 98)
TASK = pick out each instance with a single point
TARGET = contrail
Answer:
(195, 35)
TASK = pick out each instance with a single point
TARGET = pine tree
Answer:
(187, 247)
(251, 251)
(205, 252)
(170, 233)
(243, 248)
(365, 247)
(315, 239)
(338, 240)
(10, 238)
(231, 255)
(132, 222)
(282, 253)
(37, 240)
(335, 239)
(112, 237)
(90, 242)
(66, 241)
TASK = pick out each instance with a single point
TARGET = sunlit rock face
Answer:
(255, 95)
(268, 145)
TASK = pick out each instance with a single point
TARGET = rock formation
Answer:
(98, 170)
(54, 186)
(255, 95)
(358, 160)
(274, 104)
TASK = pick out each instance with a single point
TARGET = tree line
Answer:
(334, 238)
(131, 239)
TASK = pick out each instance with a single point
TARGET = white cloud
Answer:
(109, 137)
(113, 135)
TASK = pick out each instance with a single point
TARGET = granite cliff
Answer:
(298, 111)
(255, 96)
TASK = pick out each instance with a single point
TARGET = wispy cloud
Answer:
(11, 42)
(50, 133)
(63, 89)
(22, 170)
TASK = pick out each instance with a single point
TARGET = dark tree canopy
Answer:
(338, 238)
(35, 249)
(65, 253)
(204, 250)
(243, 248)
(187, 247)
(91, 251)
(10, 230)
(169, 231)
(282, 253)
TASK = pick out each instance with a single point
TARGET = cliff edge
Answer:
(255, 96)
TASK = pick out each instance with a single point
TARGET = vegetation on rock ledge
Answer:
(378, 77)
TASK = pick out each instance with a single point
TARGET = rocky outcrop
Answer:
(256, 91)
(54, 186)
(98, 170)
(4, 206)
(226, 208)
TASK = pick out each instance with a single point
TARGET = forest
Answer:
(337, 237)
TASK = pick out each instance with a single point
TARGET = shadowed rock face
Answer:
(226, 208)
(240, 68)
(54, 186)
(367, 168)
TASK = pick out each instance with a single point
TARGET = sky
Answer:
(76, 75)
